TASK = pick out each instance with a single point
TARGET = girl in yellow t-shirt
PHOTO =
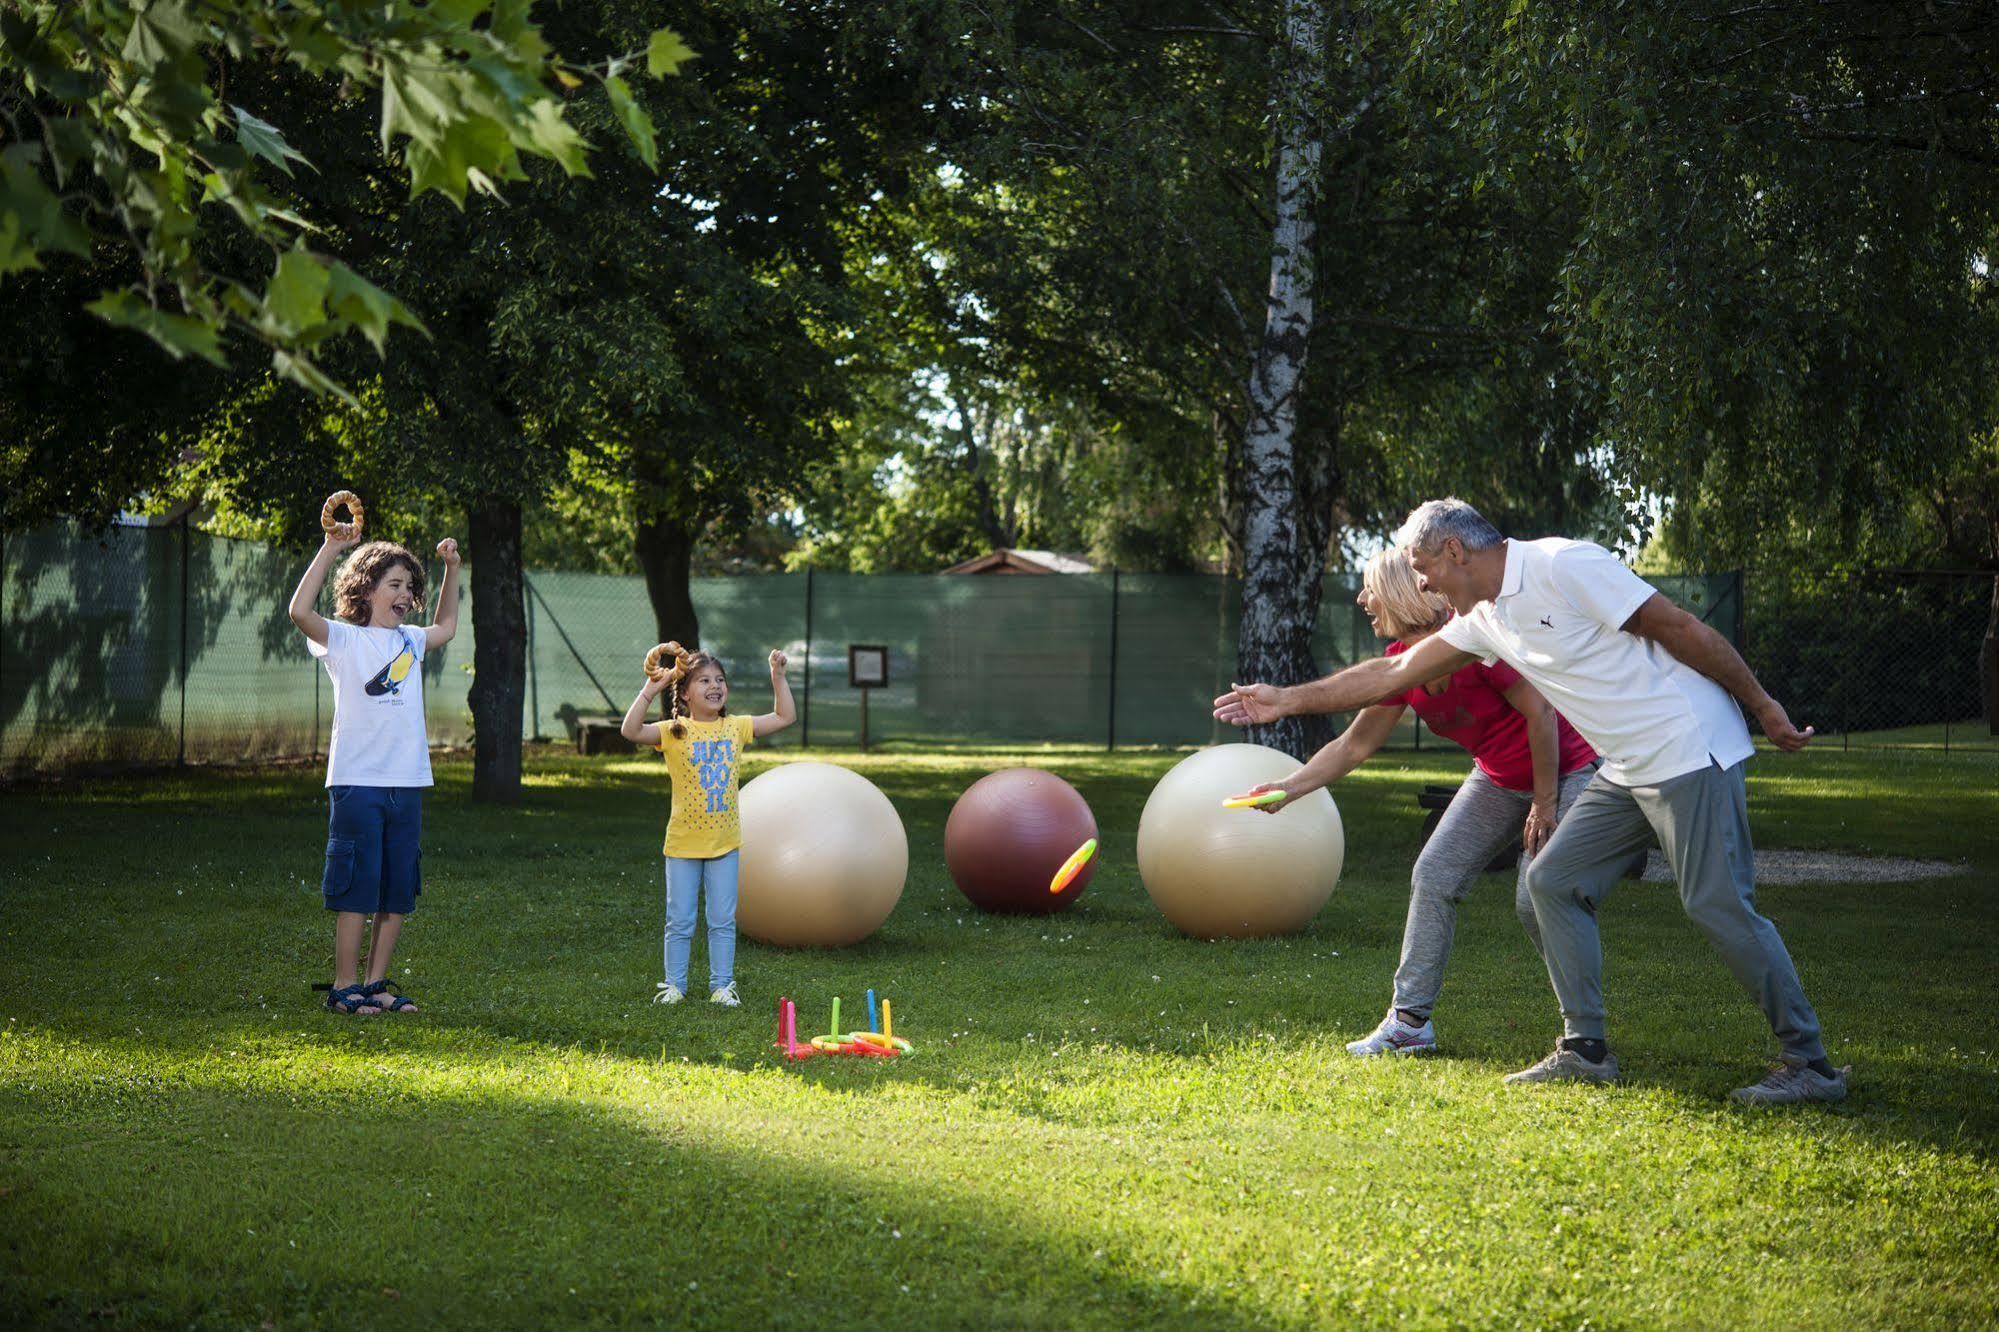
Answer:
(703, 747)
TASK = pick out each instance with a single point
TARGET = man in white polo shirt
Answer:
(1649, 686)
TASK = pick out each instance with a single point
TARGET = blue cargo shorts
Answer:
(374, 860)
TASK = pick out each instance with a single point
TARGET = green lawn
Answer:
(1971, 735)
(1106, 1123)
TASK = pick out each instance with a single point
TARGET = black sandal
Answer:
(378, 994)
(351, 1000)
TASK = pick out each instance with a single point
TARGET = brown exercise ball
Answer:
(1237, 873)
(824, 857)
(1009, 834)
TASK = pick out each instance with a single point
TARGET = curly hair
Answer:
(363, 573)
(681, 679)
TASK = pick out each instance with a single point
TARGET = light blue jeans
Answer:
(685, 880)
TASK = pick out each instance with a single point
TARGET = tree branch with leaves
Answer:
(118, 131)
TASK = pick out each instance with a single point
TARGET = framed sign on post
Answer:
(867, 670)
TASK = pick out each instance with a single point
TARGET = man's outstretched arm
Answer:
(1354, 687)
(1702, 647)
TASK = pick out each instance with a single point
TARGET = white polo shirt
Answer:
(1558, 621)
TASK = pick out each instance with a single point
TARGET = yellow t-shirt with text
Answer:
(702, 762)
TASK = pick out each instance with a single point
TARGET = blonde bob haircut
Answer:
(1405, 607)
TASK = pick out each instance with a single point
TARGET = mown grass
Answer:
(1106, 1123)
(1971, 735)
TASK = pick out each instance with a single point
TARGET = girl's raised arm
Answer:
(783, 713)
(635, 727)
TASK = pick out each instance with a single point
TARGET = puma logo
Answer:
(1547, 622)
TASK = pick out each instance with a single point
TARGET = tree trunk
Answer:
(499, 649)
(665, 549)
(1283, 567)
(1000, 531)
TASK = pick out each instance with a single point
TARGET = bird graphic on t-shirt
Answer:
(389, 680)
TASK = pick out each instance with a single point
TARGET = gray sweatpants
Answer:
(1702, 821)
(1480, 820)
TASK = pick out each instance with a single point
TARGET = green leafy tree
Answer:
(1778, 282)
(786, 153)
(663, 351)
(122, 127)
(1781, 280)
(932, 470)
(1253, 221)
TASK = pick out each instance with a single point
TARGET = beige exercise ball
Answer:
(1237, 873)
(824, 856)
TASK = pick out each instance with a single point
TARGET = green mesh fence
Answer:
(90, 656)
(1875, 659)
(151, 646)
(156, 645)
(589, 634)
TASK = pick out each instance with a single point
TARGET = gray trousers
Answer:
(1702, 821)
(1480, 820)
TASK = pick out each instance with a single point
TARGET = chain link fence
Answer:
(1886, 658)
(154, 646)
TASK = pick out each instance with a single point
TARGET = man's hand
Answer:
(447, 550)
(1540, 826)
(1776, 724)
(1250, 705)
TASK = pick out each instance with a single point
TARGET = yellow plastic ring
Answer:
(881, 1042)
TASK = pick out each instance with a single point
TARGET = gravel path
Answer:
(1828, 867)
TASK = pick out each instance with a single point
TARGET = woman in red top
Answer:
(1528, 766)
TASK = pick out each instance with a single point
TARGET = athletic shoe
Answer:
(726, 996)
(669, 993)
(1395, 1037)
(1788, 1083)
(1565, 1065)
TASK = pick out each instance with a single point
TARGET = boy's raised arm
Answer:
(444, 620)
(305, 597)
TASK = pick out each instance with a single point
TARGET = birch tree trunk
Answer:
(1283, 566)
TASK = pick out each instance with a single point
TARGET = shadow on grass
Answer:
(198, 1204)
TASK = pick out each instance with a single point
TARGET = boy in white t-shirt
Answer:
(379, 760)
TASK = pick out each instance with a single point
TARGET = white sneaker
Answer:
(1565, 1065)
(1788, 1083)
(1395, 1037)
(726, 996)
(669, 993)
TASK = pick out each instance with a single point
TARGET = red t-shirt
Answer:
(1473, 712)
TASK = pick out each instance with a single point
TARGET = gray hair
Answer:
(1432, 523)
